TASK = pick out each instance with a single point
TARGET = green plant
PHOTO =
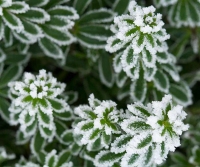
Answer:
(138, 67)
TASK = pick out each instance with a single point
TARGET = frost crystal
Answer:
(35, 100)
(151, 132)
(98, 123)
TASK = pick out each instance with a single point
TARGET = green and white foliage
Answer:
(184, 13)
(92, 29)
(36, 23)
(61, 160)
(36, 104)
(141, 37)
(164, 3)
(4, 156)
(150, 133)
(97, 124)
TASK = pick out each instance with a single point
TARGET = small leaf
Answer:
(181, 94)
(161, 81)
(145, 142)
(120, 143)
(107, 158)
(64, 12)
(36, 15)
(139, 88)
(12, 21)
(59, 37)
(50, 48)
(63, 157)
(105, 70)
(97, 16)
(121, 6)
(80, 5)
(10, 74)
(18, 7)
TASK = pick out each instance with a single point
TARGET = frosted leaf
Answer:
(96, 119)
(18, 7)
(184, 13)
(164, 3)
(35, 102)
(64, 12)
(36, 15)
(2, 56)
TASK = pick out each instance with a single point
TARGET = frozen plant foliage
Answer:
(141, 36)
(185, 13)
(151, 132)
(31, 24)
(35, 102)
(164, 3)
(98, 121)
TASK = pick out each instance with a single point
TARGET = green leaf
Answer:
(50, 160)
(179, 158)
(36, 15)
(57, 105)
(46, 132)
(44, 118)
(145, 142)
(106, 138)
(65, 116)
(64, 12)
(8, 37)
(87, 126)
(95, 134)
(10, 74)
(57, 36)
(183, 11)
(120, 6)
(97, 16)
(64, 157)
(139, 88)
(133, 158)
(90, 42)
(81, 5)
(139, 126)
(60, 128)
(12, 21)
(20, 138)
(95, 146)
(37, 3)
(75, 149)
(31, 29)
(37, 143)
(108, 158)
(105, 70)
(67, 137)
(1, 29)
(181, 94)
(161, 81)
(120, 143)
(18, 7)
(16, 58)
(98, 32)
(50, 49)
(4, 112)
